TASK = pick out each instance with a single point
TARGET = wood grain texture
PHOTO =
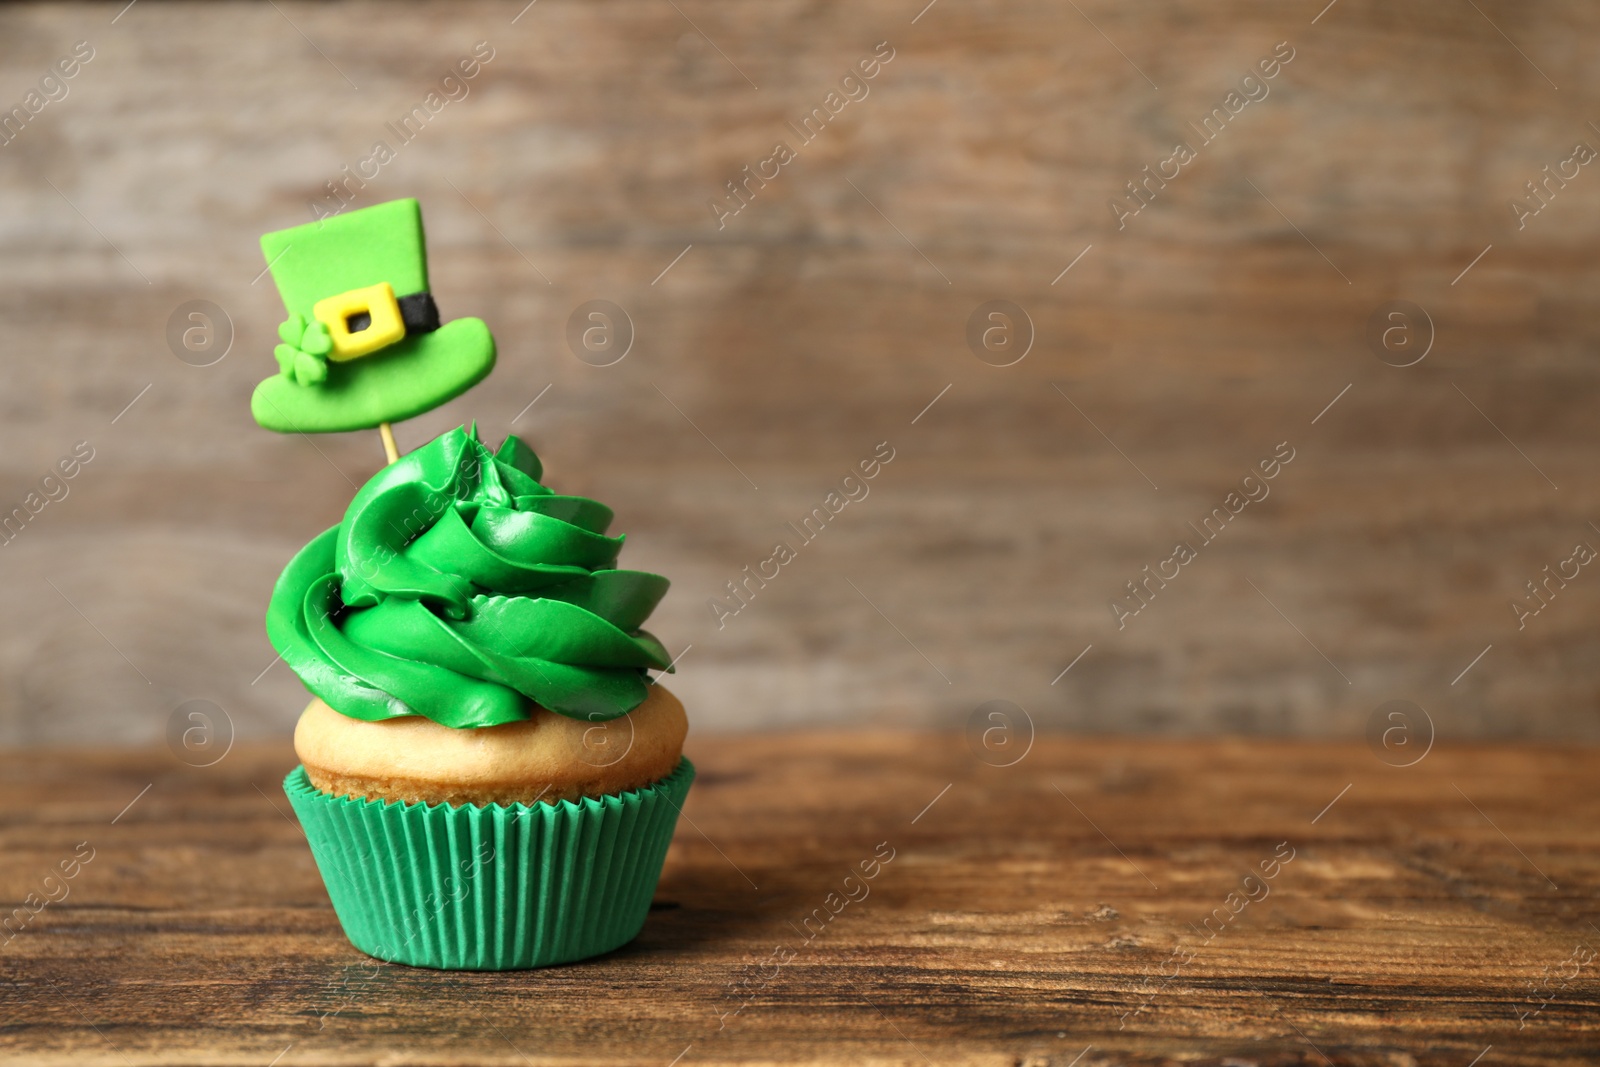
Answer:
(1027, 912)
(823, 319)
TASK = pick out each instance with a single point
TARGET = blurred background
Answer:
(1146, 353)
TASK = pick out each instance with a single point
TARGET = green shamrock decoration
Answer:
(303, 356)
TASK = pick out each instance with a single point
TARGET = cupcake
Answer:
(489, 780)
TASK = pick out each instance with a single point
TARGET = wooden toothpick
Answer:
(389, 448)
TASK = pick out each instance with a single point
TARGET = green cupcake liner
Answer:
(495, 887)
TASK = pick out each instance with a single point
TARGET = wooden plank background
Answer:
(1007, 929)
(823, 319)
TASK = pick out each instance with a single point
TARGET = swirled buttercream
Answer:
(460, 588)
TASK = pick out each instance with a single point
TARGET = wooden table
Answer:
(1052, 912)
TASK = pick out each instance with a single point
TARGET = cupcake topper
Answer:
(363, 345)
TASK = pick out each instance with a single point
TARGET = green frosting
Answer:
(460, 588)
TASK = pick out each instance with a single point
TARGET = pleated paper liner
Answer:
(491, 888)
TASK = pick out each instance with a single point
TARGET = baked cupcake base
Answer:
(501, 847)
(547, 758)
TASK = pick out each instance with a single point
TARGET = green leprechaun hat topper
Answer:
(363, 345)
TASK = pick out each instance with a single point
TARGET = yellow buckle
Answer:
(377, 304)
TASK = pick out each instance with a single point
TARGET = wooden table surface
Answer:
(1073, 908)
